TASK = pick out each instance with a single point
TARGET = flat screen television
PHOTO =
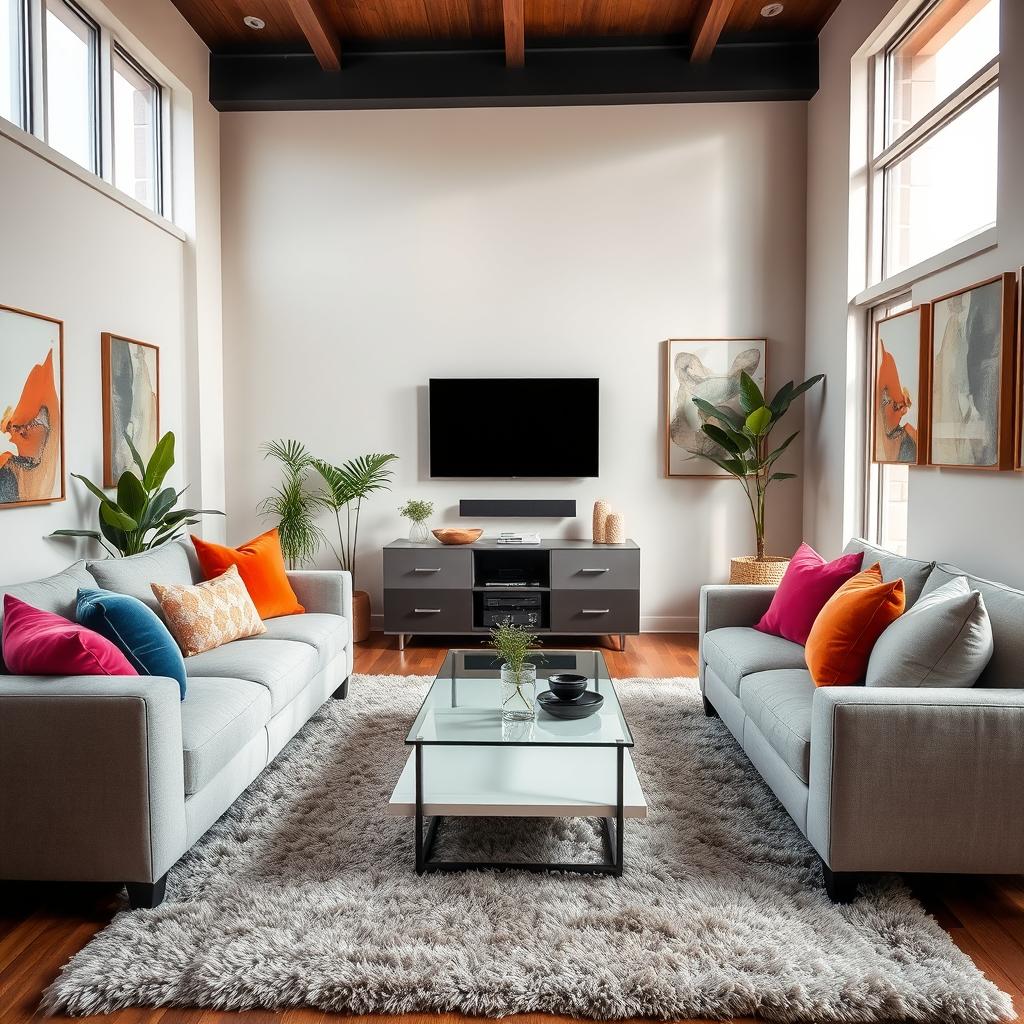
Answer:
(514, 427)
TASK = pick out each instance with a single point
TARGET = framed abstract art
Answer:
(900, 392)
(973, 385)
(31, 408)
(131, 403)
(709, 369)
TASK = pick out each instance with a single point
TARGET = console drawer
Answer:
(428, 611)
(595, 611)
(596, 570)
(436, 568)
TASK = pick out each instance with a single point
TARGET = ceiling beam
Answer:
(707, 26)
(515, 33)
(318, 31)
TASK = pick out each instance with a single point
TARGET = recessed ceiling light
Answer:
(771, 10)
(257, 23)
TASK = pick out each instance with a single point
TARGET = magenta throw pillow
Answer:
(38, 643)
(808, 583)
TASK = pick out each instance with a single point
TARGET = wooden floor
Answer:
(41, 927)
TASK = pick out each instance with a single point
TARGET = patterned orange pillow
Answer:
(209, 614)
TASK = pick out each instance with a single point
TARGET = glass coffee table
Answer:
(467, 762)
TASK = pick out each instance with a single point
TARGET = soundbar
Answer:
(550, 508)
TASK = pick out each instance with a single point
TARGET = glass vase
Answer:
(518, 693)
(418, 533)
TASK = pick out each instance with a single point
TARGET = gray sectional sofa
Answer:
(880, 779)
(113, 779)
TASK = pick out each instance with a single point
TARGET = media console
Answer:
(564, 587)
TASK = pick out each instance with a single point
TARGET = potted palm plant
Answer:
(292, 505)
(742, 449)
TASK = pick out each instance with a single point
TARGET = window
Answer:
(12, 61)
(72, 74)
(136, 130)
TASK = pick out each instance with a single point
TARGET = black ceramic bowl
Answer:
(567, 686)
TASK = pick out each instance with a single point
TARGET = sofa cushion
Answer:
(326, 634)
(282, 666)
(173, 563)
(912, 571)
(736, 651)
(218, 718)
(1005, 607)
(779, 704)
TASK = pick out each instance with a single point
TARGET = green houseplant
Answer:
(518, 676)
(417, 512)
(292, 505)
(143, 514)
(743, 450)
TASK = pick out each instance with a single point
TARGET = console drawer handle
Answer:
(595, 611)
(427, 611)
(595, 570)
(426, 570)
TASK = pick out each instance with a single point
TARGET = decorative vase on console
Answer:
(601, 511)
(417, 512)
(518, 676)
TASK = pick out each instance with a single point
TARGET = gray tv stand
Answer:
(584, 588)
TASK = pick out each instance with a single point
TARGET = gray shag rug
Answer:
(304, 894)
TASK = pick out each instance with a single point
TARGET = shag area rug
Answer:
(304, 894)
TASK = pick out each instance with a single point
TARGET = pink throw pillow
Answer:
(808, 583)
(38, 643)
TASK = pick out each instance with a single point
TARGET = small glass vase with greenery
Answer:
(292, 505)
(417, 512)
(518, 675)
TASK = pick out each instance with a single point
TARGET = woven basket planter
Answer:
(751, 569)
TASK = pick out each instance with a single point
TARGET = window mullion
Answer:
(105, 102)
(35, 73)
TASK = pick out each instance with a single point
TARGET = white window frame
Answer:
(24, 118)
(159, 168)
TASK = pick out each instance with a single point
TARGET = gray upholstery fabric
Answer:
(945, 639)
(169, 563)
(327, 634)
(912, 571)
(282, 666)
(92, 779)
(736, 651)
(1005, 607)
(791, 791)
(218, 718)
(779, 704)
(725, 702)
(917, 779)
(323, 590)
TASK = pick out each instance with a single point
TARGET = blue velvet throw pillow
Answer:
(135, 630)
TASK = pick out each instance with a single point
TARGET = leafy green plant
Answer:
(513, 643)
(348, 486)
(292, 504)
(741, 437)
(417, 511)
(143, 513)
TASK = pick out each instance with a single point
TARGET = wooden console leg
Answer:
(841, 886)
(146, 895)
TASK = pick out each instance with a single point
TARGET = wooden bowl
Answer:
(456, 535)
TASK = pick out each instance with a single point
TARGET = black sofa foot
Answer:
(146, 895)
(341, 692)
(709, 708)
(841, 886)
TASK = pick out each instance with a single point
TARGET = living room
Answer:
(511, 508)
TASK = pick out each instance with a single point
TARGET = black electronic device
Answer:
(519, 609)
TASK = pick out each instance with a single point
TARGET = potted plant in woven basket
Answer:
(742, 449)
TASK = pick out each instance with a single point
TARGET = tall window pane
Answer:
(11, 72)
(136, 132)
(71, 48)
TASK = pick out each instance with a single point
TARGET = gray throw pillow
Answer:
(945, 639)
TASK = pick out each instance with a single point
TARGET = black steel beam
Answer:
(554, 75)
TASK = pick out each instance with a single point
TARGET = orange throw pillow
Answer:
(846, 629)
(261, 566)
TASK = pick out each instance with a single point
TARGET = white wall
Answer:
(970, 518)
(365, 252)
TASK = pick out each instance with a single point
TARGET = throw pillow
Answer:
(846, 629)
(135, 630)
(945, 639)
(209, 614)
(38, 643)
(261, 566)
(808, 583)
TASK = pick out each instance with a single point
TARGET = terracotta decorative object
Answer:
(615, 529)
(601, 511)
(360, 616)
(765, 571)
(456, 535)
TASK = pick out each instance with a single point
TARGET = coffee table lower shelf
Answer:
(441, 781)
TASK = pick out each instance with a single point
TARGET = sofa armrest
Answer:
(917, 779)
(91, 778)
(323, 590)
(733, 604)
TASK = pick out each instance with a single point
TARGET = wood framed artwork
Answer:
(707, 368)
(31, 408)
(900, 391)
(973, 376)
(1019, 429)
(131, 402)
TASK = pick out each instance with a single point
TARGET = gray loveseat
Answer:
(881, 779)
(114, 778)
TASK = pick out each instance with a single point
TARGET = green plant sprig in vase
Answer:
(417, 512)
(518, 676)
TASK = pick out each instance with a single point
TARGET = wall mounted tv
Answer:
(514, 427)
